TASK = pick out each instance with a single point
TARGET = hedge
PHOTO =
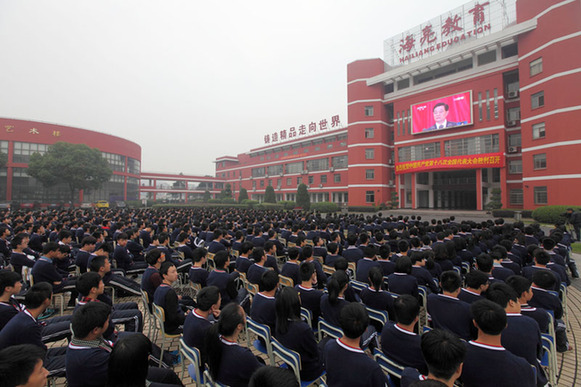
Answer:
(189, 205)
(324, 207)
(362, 209)
(249, 203)
(287, 204)
(270, 206)
(551, 214)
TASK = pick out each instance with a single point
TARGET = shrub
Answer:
(303, 198)
(324, 207)
(508, 213)
(243, 195)
(287, 204)
(362, 209)
(214, 200)
(269, 196)
(228, 201)
(551, 214)
(270, 206)
(250, 203)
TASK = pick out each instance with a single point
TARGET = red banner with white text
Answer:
(488, 160)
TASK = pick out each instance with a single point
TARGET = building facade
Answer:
(19, 139)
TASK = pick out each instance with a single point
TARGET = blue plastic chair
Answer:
(193, 356)
(358, 286)
(292, 359)
(329, 330)
(393, 369)
(263, 332)
(549, 358)
(381, 316)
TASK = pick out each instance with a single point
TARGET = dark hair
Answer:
(445, 105)
(306, 270)
(443, 352)
(122, 236)
(519, 283)
(17, 239)
(341, 264)
(476, 278)
(406, 308)
(153, 256)
(246, 247)
(230, 317)
(17, 363)
(450, 281)
(501, 293)
(375, 277)
(336, 283)
(129, 361)
(268, 245)
(165, 268)
(88, 240)
(87, 281)
(370, 251)
(403, 245)
(288, 307)
(199, 254)
(490, 317)
(353, 320)
(332, 247)
(270, 376)
(484, 262)
(293, 253)
(97, 262)
(258, 254)
(221, 258)
(268, 281)
(207, 297)
(541, 256)
(403, 265)
(545, 279)
(307, 252)
(8, 279)
(384, 251)
(88, 317)
(37, 294)
(50, 247)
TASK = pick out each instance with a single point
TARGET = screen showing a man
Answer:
(441, 111)
(446, 112)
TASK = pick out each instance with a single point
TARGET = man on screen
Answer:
(441, 111)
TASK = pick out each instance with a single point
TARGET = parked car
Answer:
(120, 204)
(4, 206)
(86, 205)
(102, 204)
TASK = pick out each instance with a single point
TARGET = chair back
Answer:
(286, 281)
(262, 331)
(381, 316)
(307, 315)
(329, 270)
(319, 258)
(358, 286)
(289, 357)
(193, 356)
(328, 329)
(387, 365)
(159, 317)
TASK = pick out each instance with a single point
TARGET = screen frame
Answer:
(435, 99)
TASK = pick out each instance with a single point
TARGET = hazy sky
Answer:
(188, 80)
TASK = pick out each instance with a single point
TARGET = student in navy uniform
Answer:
(220, 278)
(270, 250)
(262, 310)
(376, 298)
(166, 297)
(310, 296)
(230, 363)
(135, 248)
(387, 266)
(399, 342)
(182, 239)
(476, 284)
(401, 281)
(198, 273)
(198, 322)
(22, 365)
(257, 268)
(291, 267)
(447, 311)
(522, 336)
(243, 261)
(24, 328)
(522, 286)
(87, 356)
(44, 270)
(319, 249)
(498, 270)
(88, 245)
(352, 253)
(487, 362)
(37, 238)
(332, 254)
(365, 264)
(297, 335)
(333, 301)
(306, 255)
(541, 262)
(347, 365)
(216, 244)
(423, 276)
(124, 259)
(18, 258)
(151, 279)
(124, 285)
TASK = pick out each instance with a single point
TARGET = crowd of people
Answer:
(490, 289)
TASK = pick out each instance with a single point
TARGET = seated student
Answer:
(223, 280)
(319, 249)
(376, 298)
(447, 311)
(399, 341)
(197, 323)
(270, 376)
(88, 245)
(24, 328)
(129, 365)
(444, 354)
(91, 288)
(542, 259)
(88, 353)
(503, 249)
(347, 365)
(295, 334)
(402, 282)
(124, 259)
(366, 263)
(135, 248)
(243, 261)
(423, 276)
(332, 254)
(522, 287)
(101, 264)
(230, 363)
(485, 263)
(216, 244)
(22, 365)
(487, 362)
(198, 274)
(238, 240)
(333, 301)
(262, 310)
(310, 297)
(522, 336)
(476, 285)
(151, 279)
(306, 255)
(498, 270)
(291, 267)
(182, 239)
(543, 281)
(270, 250)
(350, 294)
(18, 258)
(166, 297)
(44, 270)
(387, 266)
(352, 253)
(257, 268)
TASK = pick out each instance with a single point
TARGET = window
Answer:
(515, 167)
(289, 181)
(258, 172)
(539, 130)
(370, 174)
(273, 170)
(311, 179)
(514, 139)
(318, 165)
(323, 179)
(419, 152)
(487, 57)
(368, 111)
(116, 162)
(515, 196)
(513, 114)
(262, 183)
(369, 133)
(540, 194)
(369, 154)
(294, 167)
(536, 66)
(133, 166)
(538, 100)
(369, 197)
(472, 145)
(337, 178)
(403, 83)
(510, 50)
(540, 161)
(339, 162)
(253, 185)
(299, 180)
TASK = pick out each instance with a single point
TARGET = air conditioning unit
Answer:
(332, 169)
(305, 171)
(390, 161)
(391, 182)
(281, 175)
(278, 187)
(266, 175)
(320, 185)
(513, 94)
(510, 124)
(512, 149)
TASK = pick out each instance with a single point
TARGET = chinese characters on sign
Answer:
(303, 130)
(33, 131)
(489, 160)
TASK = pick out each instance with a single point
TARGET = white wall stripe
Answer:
(552, 145)
(513, 181)
(555, 6)
(369, 144)
(552, 177)
(550, 113)
(550, 78)
(365, 100)
(370, 185)
(368, 122)
(370, 165)
(550, 43)
(357, 80)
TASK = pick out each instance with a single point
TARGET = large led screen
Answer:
(443, 113)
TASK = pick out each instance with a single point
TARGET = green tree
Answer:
(76, 165)
(269, 196)
(3, 159)
(207, 196)
(495, 200)
(303, 199)
(243, 195)
(394, 203)
(226, 192)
